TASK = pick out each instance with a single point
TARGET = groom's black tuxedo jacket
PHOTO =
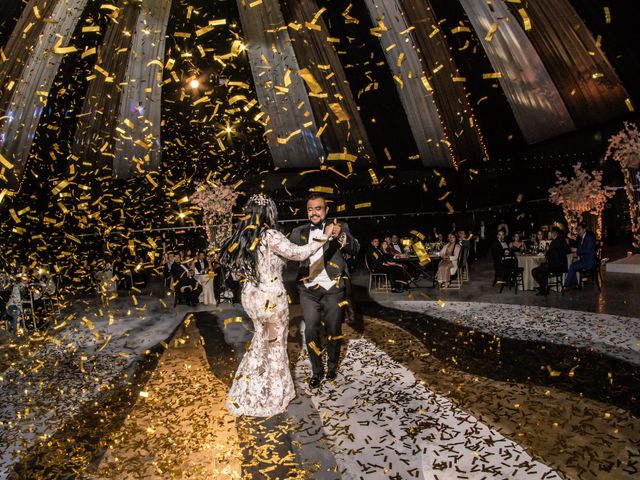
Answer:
(334, 262)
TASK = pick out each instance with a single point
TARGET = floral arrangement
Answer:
(624, 148)
(217, 202)
(581, 194)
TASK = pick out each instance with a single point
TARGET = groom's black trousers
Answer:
(317, 305)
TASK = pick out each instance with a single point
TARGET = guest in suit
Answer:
(556, 261)
(448, 266)
(321, 284)
(396, 248)
(184, 281)
(201, 264)
(498, 249)
(586, 252)
(380, 262)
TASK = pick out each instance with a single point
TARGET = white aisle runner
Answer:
(382, 423)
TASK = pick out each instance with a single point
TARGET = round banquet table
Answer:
(207, 296)
(529, 261)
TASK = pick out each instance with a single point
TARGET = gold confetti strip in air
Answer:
(492, 31)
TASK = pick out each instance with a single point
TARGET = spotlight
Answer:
(194, 84)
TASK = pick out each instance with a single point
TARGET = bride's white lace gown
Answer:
(263, 385)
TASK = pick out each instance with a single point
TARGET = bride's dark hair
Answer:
(240, 253)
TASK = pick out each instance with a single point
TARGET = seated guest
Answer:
(556, 261)
(498, 249)
(586, 251)
(517, 245)
(182, 278)
(167, 262)
(391, 255)
(540, 242)
(378, 263)
(449, 264)
(201, 264)
(396, 248)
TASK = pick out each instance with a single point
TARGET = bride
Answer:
(257, 251)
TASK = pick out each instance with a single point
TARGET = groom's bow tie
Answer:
(319, 226)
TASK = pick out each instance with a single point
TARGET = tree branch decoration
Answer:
(581, 194)
(217, 202)
(624, 148)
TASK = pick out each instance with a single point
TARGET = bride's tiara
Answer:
(259, 199)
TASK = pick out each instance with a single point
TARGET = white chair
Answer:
(378, 282)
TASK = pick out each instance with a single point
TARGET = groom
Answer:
(321, 283)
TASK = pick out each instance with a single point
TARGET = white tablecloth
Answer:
(529, 262)
(207, 296)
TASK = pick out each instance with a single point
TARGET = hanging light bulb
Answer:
(195, 83)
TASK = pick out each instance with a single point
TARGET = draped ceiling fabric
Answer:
(534, 98)
(95, 133)
(455, 110)
(290, 130)
(590, 87)
(407, 70)
(30, 69)
(138, 148)
(332, 103)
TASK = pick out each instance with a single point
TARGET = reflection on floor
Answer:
(607, 334)
(179, 423)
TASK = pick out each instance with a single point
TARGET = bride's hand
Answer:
(328, 230)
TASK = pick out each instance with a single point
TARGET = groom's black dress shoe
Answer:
(314, 382)
(332, 374)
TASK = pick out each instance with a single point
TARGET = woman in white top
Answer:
(449, 263)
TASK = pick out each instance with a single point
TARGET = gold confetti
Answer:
(492, 31)
(526, 21)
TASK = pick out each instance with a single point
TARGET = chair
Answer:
(585, 275)
(29, 309)
(180, 294)
(555, 282)
(379, 281)
(51, 296)
(513, 274)
(464, 267)
(458, 277)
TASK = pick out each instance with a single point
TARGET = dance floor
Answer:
(426, 390)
